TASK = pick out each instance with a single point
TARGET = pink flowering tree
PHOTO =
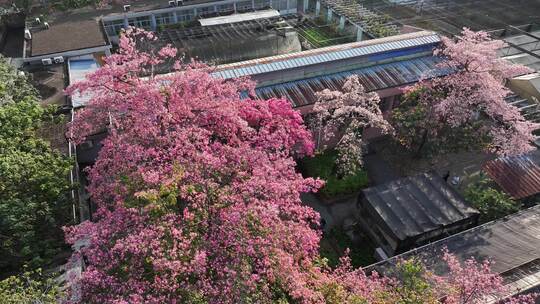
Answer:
(197, 194)
(197, 191)
(342, 116)
(466, 108)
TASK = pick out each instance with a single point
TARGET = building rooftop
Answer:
(512, 243)
(375, 25)
(450, 16)
(326, 54)
(417, 205)
(217, 33)
(519, 176)
(65, 36)
(523, 45)
(146, 5)
(373, 78)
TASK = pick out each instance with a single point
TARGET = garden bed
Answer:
(323, 166)
(321, 35)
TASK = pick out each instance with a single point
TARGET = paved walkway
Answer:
(334, 214)
(379, 171)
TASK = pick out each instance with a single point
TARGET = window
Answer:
(166, 18)
(113, 27)
(292, 4)
(244, 6)
(280, 5)
(226, 8)
(186, 15)
(204, 11)
(262, 4)
(142, 22)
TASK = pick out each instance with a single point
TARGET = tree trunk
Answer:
(423, 142)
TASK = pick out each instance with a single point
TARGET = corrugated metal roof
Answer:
(396, 74)
(510, 243)
(322, 55)
(519, 176)
(413, 206)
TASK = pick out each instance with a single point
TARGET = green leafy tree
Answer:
(414, 285)
(34, 187)
(491, 203)
(418, 128)
(29, 288)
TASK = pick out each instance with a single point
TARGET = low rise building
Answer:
(511, 243)
(412, 211)
(56, 40)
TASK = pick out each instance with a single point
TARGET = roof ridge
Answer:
(340, 47)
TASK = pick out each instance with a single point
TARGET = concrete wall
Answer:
(9, 22)
(244, 49)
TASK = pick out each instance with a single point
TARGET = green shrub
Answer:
(491, 203)
(29, 288)
(323, 166)
(336, 241)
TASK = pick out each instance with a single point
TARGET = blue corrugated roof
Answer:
(330, 54)
(378, 77)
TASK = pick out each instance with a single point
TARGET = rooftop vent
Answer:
(179, 2)
(46, 25)
(38, 21)
(172, 3)
(127, 8)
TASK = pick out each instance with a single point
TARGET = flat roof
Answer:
(523, 48)
(239, 17)
(66, 36)
(241, 30)
(416, 205)
(451, 16)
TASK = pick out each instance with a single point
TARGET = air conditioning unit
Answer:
(38, 21)
(46, 61)
(127, 7)
(58, 59)
(46, 25)
(27, 35)
(179, 2)
(172, 3)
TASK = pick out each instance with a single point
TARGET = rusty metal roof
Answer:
(378, 77)
(519, 176)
